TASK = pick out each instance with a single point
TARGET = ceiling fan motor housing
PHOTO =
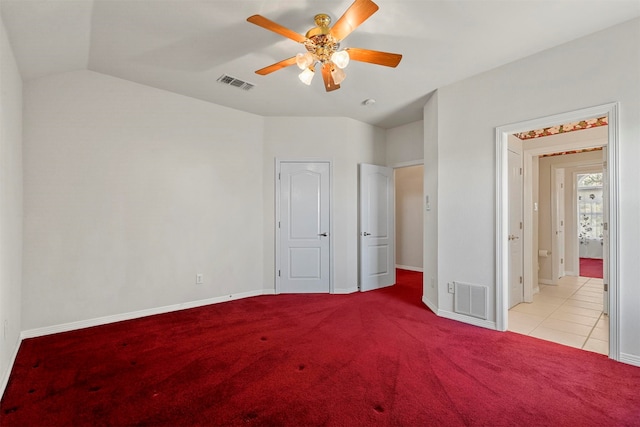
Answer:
(321, 43)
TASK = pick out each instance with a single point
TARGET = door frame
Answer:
(575, 168)
(395, 167)
(520, 241)
(558, 264)
(502, 132)
(586, 169)
(276, 228)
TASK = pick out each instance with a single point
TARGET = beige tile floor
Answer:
(569, 313)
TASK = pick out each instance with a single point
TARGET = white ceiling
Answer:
(184, 46)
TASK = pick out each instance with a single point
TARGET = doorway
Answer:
(409, 206)
(502, 212)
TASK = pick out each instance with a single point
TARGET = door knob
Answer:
(366, 234)
(323, 234)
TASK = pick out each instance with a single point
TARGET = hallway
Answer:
(569, 314)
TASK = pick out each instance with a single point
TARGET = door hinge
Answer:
(520, 279)
(278, 273)
(605, 226)
(520, 171)
(520, 225)
(561, 260)
(278, 224)
(606, 287)
(278, 175)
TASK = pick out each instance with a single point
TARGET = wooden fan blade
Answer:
(374, 57)
(355, 15)
(268, 24)
(277, 66)
(329, 84)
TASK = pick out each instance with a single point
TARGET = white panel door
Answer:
(516, 286)
(377, 227)
(304, 258)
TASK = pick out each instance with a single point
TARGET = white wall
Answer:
(129, 192)
(10, 204)
(409, 217)
(594, 70)
(405, 144)
(346, 143)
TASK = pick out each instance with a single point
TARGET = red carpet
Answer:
(591, 267)
(367, 359)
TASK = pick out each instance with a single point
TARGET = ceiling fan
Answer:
(323, 45)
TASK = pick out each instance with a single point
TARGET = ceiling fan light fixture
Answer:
(340, 58)
(323, 45)
(306, 76)
(338, 75)
(304, 60)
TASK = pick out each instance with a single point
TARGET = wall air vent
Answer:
(470, 299)
(232, 81)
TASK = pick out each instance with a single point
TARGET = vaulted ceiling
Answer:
(184, 46)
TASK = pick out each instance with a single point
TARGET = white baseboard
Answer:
(630, 359)
(7, 373)
(344, 291)
(408, 267)
(430, 305)
(546, 282)
(468, 319)
(72, 326)
(459, 317)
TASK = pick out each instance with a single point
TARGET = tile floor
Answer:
(569, 313)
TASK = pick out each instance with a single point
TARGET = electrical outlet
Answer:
(452, 288)
(199, 279)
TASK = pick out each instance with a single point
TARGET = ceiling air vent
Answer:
(232, 81)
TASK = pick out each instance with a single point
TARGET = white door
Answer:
(559, 220)
(516, 286)
(605, 232)
(303, 262)
(377, 227)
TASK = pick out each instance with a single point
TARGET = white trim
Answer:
(614, 233)
(277, 163)
(555, 241)
(407, 267)
(431, 306)
(630, 359)
(488, 324)
(72, 326)
(344, 291)
(502, 132)
(547, 282)
(12, 361)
